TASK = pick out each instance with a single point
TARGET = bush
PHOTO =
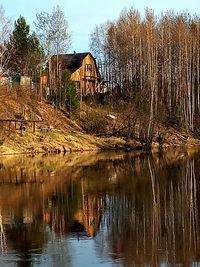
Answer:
(94, 123)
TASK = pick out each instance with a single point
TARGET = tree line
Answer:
(155, 61)
(24, 52)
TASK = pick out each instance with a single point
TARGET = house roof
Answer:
(72, 62)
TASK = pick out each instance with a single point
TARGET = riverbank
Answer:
(55, 132)
(60, 141)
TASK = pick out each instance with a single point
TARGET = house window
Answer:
(88, 67)
(77, 84)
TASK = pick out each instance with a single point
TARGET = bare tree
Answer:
(158, 57)
(52, 29)
(5, 30)
(61, 42)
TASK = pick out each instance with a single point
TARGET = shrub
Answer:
(94, 123)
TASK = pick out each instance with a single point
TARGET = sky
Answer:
(83, 15)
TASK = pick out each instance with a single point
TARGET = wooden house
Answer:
(83, 70)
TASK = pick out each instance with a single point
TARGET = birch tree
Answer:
(52, 29)
(5, 30)
(157, 58)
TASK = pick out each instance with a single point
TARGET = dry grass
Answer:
(66, 135)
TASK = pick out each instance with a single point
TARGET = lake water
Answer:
(100, 209)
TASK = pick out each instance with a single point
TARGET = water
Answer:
(102, 210)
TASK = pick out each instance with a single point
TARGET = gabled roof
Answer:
(72, 62)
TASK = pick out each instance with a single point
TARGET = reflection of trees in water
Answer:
(73, 210)
(139, 209)
(3, 245)
(156, 218)
(27, 231)
(62, 205)
(26, 239)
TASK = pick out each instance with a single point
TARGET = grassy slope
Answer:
(66, 135)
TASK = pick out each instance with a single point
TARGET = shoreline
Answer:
(59, 141)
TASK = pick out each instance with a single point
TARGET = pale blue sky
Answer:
(84, 15)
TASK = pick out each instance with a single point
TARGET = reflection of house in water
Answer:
(26, 217)
(89, 215)
(84, 220)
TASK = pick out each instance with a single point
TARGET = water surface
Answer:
(106, 209)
